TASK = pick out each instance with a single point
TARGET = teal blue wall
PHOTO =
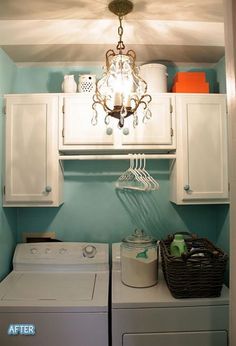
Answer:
(94, 211)
(8, 226)
(223, 231)
(47, 79)
(221, 75)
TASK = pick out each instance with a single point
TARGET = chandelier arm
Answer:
(94, 105)
(110, 53)
(145, 83)
(131, 53)
(101, 103)
(136, 104)
(105, 106)
(145, 104)
(141, 100)
(148, 96)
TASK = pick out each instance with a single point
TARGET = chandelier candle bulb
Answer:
(128, 102)
(117, 99)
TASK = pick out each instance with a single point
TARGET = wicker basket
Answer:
(197, 274)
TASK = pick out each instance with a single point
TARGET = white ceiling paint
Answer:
(193, 10)
(81, 30)
(105, 32)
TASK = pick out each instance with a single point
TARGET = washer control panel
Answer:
(67, 254)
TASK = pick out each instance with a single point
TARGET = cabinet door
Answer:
(204, 146)
(157, 131)
(29, 149)
(77, 129)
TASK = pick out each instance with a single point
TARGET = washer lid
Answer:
(51, 286)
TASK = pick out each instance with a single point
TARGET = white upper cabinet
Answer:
(158, 131)
(193, 124)
(76, 132)
(76, 129)
(32, 172)
(200, 173)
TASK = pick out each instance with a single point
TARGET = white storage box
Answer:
(155, 75)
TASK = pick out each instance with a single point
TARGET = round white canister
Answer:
(139, 271)
(155, 75)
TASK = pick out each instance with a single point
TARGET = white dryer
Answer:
(151, 316)
(60, 291)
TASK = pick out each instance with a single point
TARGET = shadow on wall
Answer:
(143, 211)
(54, 82)
(95, 211)
(199, 219)
(39, 220)
(8, 235)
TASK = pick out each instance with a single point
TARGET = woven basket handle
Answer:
(187, 234)
(188, 255)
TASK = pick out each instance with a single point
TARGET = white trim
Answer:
(97, 64)
(230, 50)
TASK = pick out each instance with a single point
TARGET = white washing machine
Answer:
(151, 316)
(56, 295)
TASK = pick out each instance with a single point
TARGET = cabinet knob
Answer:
(109, 131)
(125, 131)
(48, 188)
(186, 187)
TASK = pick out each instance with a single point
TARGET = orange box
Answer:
(199, 77)
(190, 87)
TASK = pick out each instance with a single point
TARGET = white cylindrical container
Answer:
(139, 260)
(155, 75)
(87, 83)
(69, 84)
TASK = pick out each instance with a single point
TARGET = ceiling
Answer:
(80, 31)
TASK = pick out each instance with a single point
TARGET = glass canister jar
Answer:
(139, 260)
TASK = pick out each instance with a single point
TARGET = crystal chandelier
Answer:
(121, 92)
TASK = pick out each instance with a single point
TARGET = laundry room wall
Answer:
(8, 226)
(220, 74)
(49, 78)
(93, 210)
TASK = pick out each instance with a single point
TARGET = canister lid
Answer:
(139, 237)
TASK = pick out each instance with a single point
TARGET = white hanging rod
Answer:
(116, 157)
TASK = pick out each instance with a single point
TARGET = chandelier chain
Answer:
(120, 46)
